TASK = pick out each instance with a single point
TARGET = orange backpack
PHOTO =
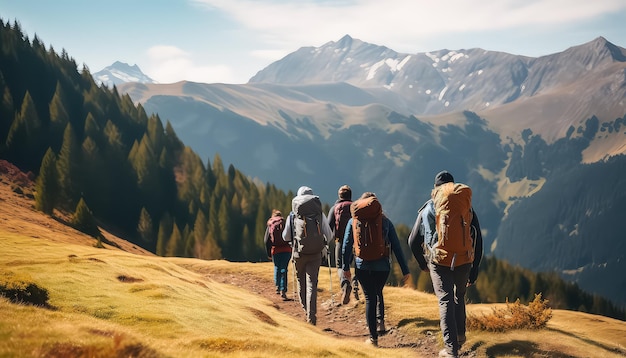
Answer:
(367, 229)
(453, 218)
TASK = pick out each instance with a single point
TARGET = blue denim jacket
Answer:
(383, 264)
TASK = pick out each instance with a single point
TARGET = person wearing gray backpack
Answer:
(308, 232)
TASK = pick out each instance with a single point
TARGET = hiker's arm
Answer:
(428, 223)
(415, 242)
(328, 233)
(397, 249)
(331, 220)
(346, 249)
(478, 251)
(268, 242)
(287, 230)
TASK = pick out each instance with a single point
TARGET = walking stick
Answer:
(330, 273)
(295, 287)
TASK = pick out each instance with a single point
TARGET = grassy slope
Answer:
(109, 302)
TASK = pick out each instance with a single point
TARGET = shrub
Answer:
(515, 316)
(20, 289)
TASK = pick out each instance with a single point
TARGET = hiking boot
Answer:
(283, 295)
(380, 327)
(461, 339)
(371, 342)
(445, 354)
(356, 293)
(345, 295)
(278, 290)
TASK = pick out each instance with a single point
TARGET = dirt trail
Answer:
(344, 321)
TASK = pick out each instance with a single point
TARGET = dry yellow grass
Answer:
(108, 300)
(112, 302)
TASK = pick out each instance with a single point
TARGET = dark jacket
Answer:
(332, 220)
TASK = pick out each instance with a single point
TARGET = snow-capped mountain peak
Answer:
(120, 72)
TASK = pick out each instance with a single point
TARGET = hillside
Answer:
(123, 301)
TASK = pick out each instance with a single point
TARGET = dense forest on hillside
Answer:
(94, 152)
(134, 174)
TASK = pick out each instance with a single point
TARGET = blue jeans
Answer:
(450, 287)
(281, 264)
(372, 283)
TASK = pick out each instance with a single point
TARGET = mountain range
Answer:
(540, 140)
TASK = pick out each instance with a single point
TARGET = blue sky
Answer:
(229, 41)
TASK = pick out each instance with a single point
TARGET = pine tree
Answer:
(200, 231)
(84, 221)
(6, 111)
(145, 227)
(223, 218)
(68, 168)
(47, 186)
(156, 133)
(175, 242)
(188, 242)
(59, 118)
(165, 231)
(211, 250)
(25, 138)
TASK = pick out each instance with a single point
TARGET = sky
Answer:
(229, 41)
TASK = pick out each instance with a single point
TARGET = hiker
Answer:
(371, 235)
(278, 250)
(307, 230)
(452, 262)
(338, 217)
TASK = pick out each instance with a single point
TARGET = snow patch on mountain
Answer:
(119, 73)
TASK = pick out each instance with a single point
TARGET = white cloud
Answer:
(399, 24)
(168, 64)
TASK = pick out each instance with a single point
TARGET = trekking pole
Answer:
(294, 278)
(330, 273)
(330, 277)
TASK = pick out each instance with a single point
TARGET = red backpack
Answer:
(367, 228)
(342, 215)
(276, 225)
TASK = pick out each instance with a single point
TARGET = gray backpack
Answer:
(307, 224)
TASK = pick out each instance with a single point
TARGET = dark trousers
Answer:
(450, 287)
(372, 283)
(339, 265)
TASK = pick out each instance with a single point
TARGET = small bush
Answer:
(515, 316)
(20, 289)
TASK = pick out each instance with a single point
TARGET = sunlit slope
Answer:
(110, 300)
(107, 300)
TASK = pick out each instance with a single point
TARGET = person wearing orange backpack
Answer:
(446, 241)
(278, 251)
(372, 236)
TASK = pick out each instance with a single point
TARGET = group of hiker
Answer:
(445, 240)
